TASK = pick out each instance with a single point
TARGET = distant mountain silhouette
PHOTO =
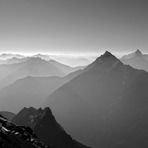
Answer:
(6, 56)
(131, 55)
(35, 67)
(8, 115)
(66, 69)
(42, 56)
(136, 60)
(15, 60)
(105, 106)
(46, 128)
(13, 136)
(31, 91)
(31, 67)
(73, 61)
(7, 69)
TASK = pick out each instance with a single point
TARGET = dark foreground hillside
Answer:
(13, 136)
(46, 128)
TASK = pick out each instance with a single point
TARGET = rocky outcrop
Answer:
(14, 136)
(45, 126)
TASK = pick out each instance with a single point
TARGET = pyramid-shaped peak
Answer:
(138, 52)
(107, 53)
(107, 57)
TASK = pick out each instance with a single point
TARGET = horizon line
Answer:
(73, 54)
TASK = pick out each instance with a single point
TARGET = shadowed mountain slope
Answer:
(46, 128)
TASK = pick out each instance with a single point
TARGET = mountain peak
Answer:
(107, 53)
(47, 110)
(107, 58)
(138, 52)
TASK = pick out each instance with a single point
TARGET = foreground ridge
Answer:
(14, 136)
(45, 126)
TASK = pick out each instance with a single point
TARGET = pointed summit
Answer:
(108, 55)
(138, 52)
(107, 59)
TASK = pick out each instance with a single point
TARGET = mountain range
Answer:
(69, 60)
(6, 56)
(35, 67)
(102, 105)
(31, 91)
(108, 100)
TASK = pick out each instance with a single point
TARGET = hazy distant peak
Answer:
(137, 53)
(38, 54)
(42, 56)
(5, 56)
(36, 60)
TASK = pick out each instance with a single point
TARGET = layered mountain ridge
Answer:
(104, 105)
(31, 91)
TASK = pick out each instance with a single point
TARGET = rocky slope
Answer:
(14, 136)
(46, 128)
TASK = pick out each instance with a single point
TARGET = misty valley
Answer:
(47, 104)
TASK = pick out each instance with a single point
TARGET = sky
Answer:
(73, 26)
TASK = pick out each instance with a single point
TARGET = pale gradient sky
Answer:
(73, 26)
